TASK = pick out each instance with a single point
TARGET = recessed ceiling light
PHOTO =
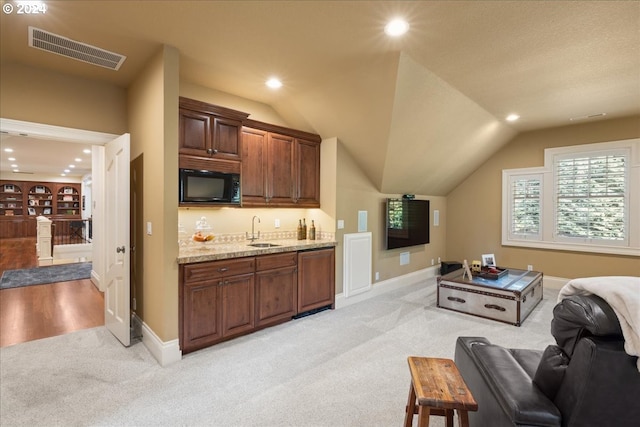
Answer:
(78, 159)
(12, 159)
(512, 117)
(8, 150)
(16, 170)
(63, 174)
(72, 166)
(274, 83)
(14, 166)
(86, 151)
(67, 171)
(396, 27)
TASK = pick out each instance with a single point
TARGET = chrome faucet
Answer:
(253, 224)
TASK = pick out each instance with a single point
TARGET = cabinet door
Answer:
(280, 170)
(226, 138)
(238, 304)
(195, 133)
(316, 279)
(202, 317)
(254, 160)
(276, 295)
(308, 173)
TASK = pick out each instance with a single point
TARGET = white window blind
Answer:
(525, 206)
(591, 196)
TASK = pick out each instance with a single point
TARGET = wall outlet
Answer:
(277, 225)
(439, 260)
(377, 275)
(530, 267)
(404, 258)
(340, 224)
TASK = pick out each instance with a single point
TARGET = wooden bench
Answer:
(437, 388)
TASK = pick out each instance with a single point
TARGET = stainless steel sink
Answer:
(263, 245)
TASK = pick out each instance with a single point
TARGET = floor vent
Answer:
(59, 45)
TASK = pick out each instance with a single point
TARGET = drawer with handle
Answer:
(479, 303)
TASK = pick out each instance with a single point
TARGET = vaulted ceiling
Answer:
(418, 113)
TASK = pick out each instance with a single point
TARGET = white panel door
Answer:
(117, 314)
(357, 263)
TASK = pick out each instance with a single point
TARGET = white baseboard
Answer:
(77, 252)
(165, 353)
(388, 285)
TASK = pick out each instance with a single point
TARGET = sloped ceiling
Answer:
(418, 113)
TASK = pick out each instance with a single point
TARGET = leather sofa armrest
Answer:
(492, 369)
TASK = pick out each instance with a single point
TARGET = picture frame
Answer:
(11, 205)
(33, 202)
(31, 211)
(488, 260)
(46, 211)
(67, 190)
(9, 188)
(39, 189)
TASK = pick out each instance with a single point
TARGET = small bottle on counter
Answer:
(312, 231)
(300, 230)
(304, 228)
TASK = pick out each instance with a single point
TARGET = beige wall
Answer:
(357, 193)
(256, 110)
(39, 96)
(474, 207)
(153, 118)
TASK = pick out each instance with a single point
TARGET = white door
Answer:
(116, 234)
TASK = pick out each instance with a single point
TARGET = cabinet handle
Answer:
(209, 151)
(456, 299)
(222, 269)
(495, 307)
(215, 151)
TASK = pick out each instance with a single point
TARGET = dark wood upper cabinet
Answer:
(280, 166)
(210, 130)
(308, 173)
(280, 170)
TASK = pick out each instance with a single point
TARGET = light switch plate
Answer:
(149, 228)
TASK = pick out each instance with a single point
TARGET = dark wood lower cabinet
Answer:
(316, 279)
(238, 301)
(276, 288)
(223, 299)
(203, 319)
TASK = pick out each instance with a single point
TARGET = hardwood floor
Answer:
(33, 312)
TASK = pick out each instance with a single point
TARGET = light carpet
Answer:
(345, 367)
(44, 275)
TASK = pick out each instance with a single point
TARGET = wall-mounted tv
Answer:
(407, 223)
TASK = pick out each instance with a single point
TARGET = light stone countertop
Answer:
(200, 252)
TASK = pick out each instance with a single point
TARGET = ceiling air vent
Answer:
(59, 45)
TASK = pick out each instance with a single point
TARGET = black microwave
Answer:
(209, 187)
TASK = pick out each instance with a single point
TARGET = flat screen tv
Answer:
(407, 223)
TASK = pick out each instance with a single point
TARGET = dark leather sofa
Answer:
(587, 379)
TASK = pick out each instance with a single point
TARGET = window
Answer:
(585, 198)
(525, 206)
(591, 196)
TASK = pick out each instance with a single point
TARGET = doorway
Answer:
(92, 288)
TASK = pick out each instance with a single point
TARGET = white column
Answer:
(43, 241)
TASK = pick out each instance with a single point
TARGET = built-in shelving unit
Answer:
(22, 201)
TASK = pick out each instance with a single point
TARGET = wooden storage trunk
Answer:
(509, 299)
